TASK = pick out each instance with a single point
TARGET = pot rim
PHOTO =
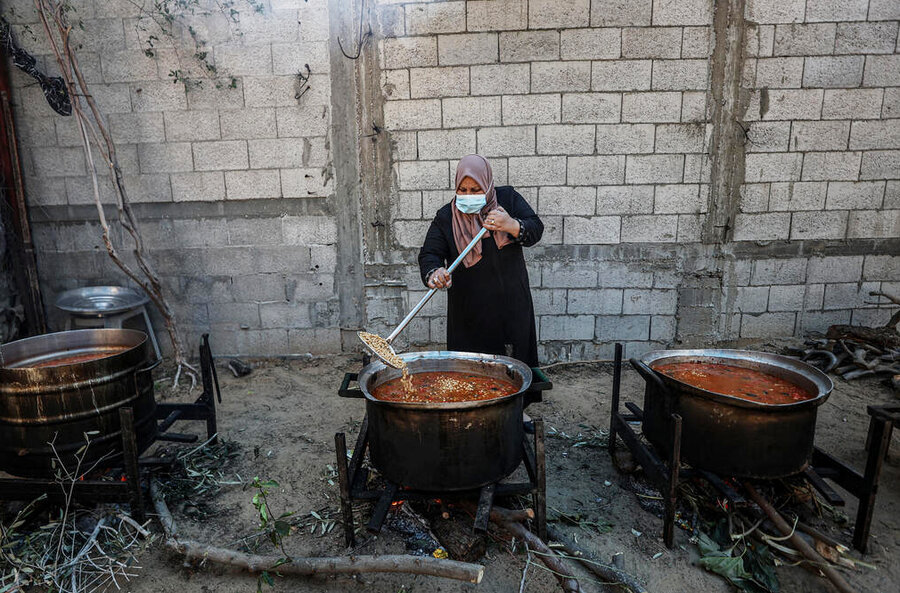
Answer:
(135, 340)
(512, 364)
(823, 382)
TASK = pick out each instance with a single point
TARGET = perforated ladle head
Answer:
(374, 343)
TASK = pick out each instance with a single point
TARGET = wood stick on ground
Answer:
(610, 574)
(192, 550)
(798, 542)
(510, 522)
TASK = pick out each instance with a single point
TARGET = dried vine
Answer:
(94, 132)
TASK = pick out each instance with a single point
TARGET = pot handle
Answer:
(149, 367)
(344, 391)
(648, 374)
(540, 382)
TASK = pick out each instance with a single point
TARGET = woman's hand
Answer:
(440, 278)
(498, 220)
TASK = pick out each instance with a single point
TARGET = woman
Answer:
(489, 307)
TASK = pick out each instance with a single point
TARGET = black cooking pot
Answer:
(444, 447)
(729, 435)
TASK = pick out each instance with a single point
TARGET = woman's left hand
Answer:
(498, 220)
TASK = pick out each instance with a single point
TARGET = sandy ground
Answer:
(284, 417)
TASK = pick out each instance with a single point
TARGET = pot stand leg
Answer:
(340, 447)
(672, 490)
(130, 461)
(379, 513)
(540, 492)
(355, 475)
(485, 503)
(207, 372)
(881, 428)
(617, 382)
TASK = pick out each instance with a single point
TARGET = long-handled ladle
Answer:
(375, 343)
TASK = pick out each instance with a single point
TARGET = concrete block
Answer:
(778, 271)
(405, 147)
(439, 17)
(219, 94)
(679, 199)
(656, 302)
(308, 230)
(820, 321)
(798, 196)
(602, 301)
(496, 15)
(622, 327)
(695, 42)
(245, 185)
(565, 139)
(784, 104)
(882, 71)
(244, 124)
(760, 167)
(833, 71)
(42, 131)
(875, 134)
(591, 107)
(804, 40)
(287, 153)
(595, 230)
(590, 44)
(775, 11)
(677, 75)
(148, 188)
(768, 325)
(157, 95)
(618, 13)
(625, 199)
(424, 174)
(568, 274)
(596, 170)
(173, 157)
(892, 195)
(662, 328)
(198, 187)
(879, 224)
(755, 197)
(528, 46)
(468, 48)
(567, 327)
(680, 138)
(301, 121)
(234, 315)
(837, 166)
(408, 204)
(846, 268)
(561, 76)
(128, 65)
(470, 112)
(866, 38)
(218, 155)
(651, 107)
(661, 168)
(306, 182)
(818, 225)
(255, 231)
(112, 98)
(820, 135)
(549, 301)
(891, 105)
(751, 299)
(412, 115)
(779, 73)
(531, 109)
(684, 12)
(50, 161)
(768, 136)
(651, 42)
(854, 195)
(836, 10)
(851, 295)
(551, 14)
(871, 317)
(132, 128)
(409, 233)
(501, 79)
(762, 227)
(506, 141)
(438, 82)
(409, 52)
(446, 144)
(786, 298)
(395, 84)
(621, 75)
(815, 295)
(537, 170)
(880, 267)
(880, 164)
(883, 10)
(567, 200)
(654, 228)
(284, 315)
(693, 106)
(244, 60)
(185, 126)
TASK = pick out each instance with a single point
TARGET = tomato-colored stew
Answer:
(77, 358)
(736, 381)
(443, 387)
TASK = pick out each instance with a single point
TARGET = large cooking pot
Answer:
(444, 447)
(67, 403)
(729, 435)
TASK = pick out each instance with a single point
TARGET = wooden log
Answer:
(798, 542)
(609, 574)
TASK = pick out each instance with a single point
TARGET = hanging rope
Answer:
(54, 87)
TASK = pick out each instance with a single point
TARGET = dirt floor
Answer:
(284, 417)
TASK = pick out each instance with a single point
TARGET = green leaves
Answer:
(752, 571)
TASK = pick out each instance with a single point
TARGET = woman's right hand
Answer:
(440, 278)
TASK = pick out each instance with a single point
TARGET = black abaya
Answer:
(489, 304)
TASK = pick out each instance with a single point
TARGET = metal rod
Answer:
(431, 292)
(207, 368)
(672, 491)
(540, 494)
(881, 435)
(485, 503)
(617, 380)
(340, 447)
(130, 459)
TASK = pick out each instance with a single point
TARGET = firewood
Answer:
(610, 574)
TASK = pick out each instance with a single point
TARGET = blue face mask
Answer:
(471, 204)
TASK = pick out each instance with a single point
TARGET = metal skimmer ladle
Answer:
(421, 304)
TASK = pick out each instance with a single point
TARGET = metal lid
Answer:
(98, 301)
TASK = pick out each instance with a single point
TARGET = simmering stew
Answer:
(443, 387)
(63, 360)
(735, 381)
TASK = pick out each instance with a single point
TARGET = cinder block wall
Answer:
(705, 170)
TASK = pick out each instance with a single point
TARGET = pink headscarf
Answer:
(466, 226)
